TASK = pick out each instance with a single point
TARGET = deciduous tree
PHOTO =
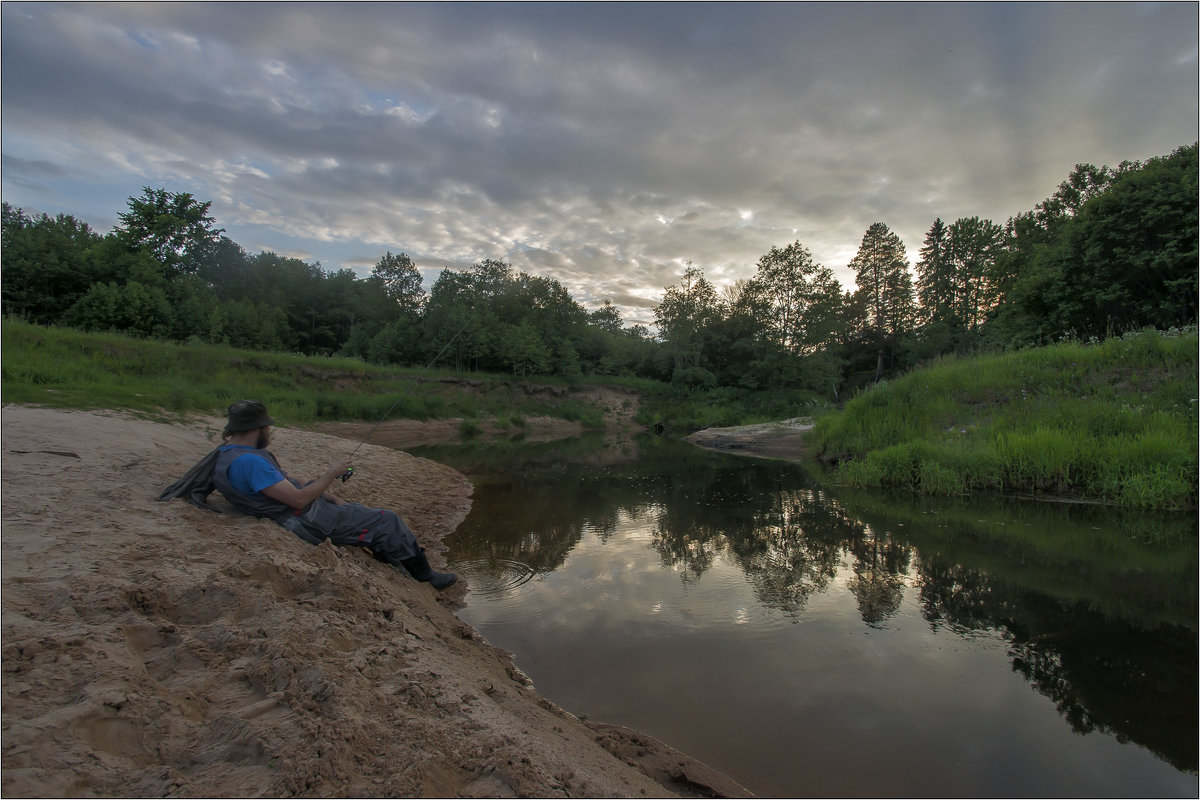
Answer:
(684, 315)
(48, 264)
(973, 246)
(173, 227)
(400, 280)
(606, 318)
(1126, 259)
(782, 282)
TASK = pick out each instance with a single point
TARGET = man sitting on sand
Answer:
(250, 478)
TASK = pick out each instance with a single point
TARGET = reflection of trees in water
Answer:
(694, 523)
(960, 598)
(691, 551)
(543, 552)
(795, 546)
(692, 528)
(792, 549)
(880, 566)
(789, 542)
(1102, 674)
(525, 522)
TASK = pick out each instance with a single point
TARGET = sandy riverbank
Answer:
(782, 440)
(158, 649)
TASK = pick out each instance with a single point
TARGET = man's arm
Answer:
(286, 492)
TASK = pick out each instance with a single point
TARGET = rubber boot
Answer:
(418, 567)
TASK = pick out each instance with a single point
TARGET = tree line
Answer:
(1111, 250)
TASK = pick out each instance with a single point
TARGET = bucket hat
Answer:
(247, 415)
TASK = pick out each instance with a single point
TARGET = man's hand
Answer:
(339, 467)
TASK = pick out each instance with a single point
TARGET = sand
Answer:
(156, 649)
(784, 440)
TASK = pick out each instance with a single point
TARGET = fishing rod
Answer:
(345, 476)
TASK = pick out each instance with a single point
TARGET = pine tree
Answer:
(935, 276)
(884, 287)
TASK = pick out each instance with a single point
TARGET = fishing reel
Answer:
(345, 476)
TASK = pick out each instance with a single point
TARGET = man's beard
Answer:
(264, 439)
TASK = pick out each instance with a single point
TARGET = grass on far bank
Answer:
(1112, 421)
(65, 368)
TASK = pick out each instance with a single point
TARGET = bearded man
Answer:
(247, 474)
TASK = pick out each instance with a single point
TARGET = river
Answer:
(808, 640)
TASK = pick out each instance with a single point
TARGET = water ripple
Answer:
(494, 577)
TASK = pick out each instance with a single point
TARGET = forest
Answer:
(1111, 251)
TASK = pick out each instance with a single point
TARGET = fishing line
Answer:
(346, 476)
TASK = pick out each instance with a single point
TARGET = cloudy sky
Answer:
(604, 145)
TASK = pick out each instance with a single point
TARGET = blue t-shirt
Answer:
(252, 473)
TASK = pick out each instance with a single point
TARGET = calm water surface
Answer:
(811, 641)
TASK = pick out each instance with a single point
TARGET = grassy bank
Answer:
(1113, 421)
(63, 368)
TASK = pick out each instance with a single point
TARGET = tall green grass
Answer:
(1114, 421)
(64, 368)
